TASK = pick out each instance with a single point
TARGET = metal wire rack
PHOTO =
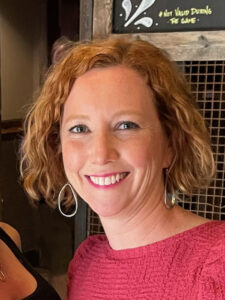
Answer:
(207, 79)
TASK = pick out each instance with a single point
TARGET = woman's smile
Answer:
(107, 180)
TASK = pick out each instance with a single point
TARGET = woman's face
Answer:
(113, 145)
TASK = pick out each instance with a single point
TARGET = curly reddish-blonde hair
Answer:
(41, 165)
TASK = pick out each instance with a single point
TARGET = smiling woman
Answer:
(117, 122)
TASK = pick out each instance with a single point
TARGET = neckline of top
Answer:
(159, 245)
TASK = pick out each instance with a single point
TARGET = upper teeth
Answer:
(108, 180)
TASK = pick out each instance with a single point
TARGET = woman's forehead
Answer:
(111, 82)
(111, 90)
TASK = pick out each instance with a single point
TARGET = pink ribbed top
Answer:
(189, 265)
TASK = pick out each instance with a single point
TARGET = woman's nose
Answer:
(103, 149)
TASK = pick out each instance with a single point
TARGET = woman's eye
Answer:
(127, 125)
(79, 129)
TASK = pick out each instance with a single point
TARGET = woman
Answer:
(116, 122)
(18, 280)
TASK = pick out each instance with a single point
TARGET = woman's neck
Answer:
(149, 225)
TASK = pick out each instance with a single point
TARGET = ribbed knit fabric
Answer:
(189, 265)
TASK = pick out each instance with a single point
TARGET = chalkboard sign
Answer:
(167, 15)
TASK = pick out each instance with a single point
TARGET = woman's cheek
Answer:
(72, 156)
(140, 152)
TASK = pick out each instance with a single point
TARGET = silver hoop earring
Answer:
(169, 199)
(74, 197)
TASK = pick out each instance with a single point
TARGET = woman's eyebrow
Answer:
(76, 117)
(127, 112)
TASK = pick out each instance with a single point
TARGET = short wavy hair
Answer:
(41, 165)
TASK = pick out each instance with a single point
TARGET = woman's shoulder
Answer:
(204, 237)
(215, 232)
(213, 272)
(216, 236)
(12, 233)
(93, 246)
(93, 243)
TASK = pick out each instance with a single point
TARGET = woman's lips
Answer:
(107, 180)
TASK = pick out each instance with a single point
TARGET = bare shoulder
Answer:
(12, 232)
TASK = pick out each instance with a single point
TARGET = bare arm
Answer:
(13, 233)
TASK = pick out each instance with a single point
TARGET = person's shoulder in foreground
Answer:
(192, 265)
(25, 283)
(12, 232)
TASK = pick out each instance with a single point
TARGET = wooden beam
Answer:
(86, 19)
(181, 46)
(80, 224)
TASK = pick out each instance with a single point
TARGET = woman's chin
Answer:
(105, 212)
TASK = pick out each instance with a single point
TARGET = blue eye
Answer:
(127, 125)
(79, 129)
